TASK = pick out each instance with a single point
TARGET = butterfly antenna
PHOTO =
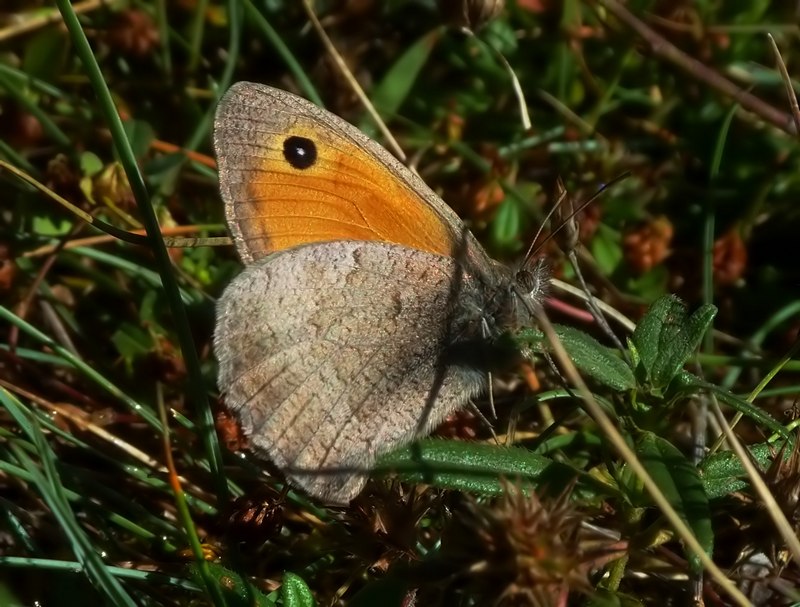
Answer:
(534, 249)
(568, 224)
(571, 242)
(531, 251)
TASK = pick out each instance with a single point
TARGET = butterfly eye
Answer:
(526, 280)
(300, 152)
(533, 281)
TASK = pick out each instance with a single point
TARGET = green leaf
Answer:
(680, 482)
(237, 590)
(600, 362)
(606, 249)
(636, 360)
(161, 169)
(479, 468)
(666, 337)
(651, 285)
(501, 36)
(87, 187)
(295, 592)
(131, 342)
(393, 89)
(49, 226)
(45, 54)
(605, 598)
(147, 311)
(691, 384)
(696, 328)
(90, 164)
(140, 135)
(506, 225)
(723, 473)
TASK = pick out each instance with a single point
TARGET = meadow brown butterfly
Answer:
(366, 310)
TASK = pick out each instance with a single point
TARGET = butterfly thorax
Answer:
(492, 302)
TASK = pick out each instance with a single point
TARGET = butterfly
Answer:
(366, 311)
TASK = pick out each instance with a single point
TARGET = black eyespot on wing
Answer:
(300, 152)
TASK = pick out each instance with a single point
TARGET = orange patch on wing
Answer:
(347, 194)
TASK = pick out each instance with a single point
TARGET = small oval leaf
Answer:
(680, 482)
(295, 592)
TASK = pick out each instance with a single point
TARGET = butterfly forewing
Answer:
(291, 174)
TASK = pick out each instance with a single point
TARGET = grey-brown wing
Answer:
(329, 354)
